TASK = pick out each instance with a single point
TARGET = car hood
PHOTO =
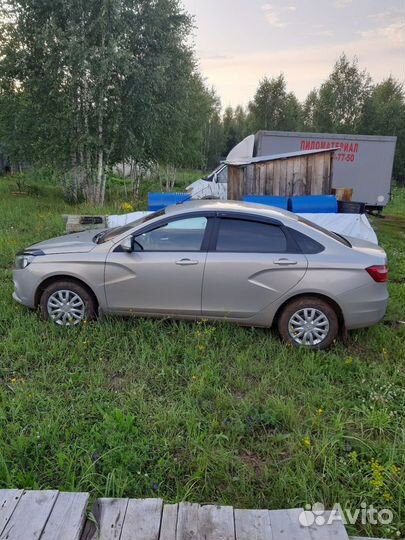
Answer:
(81, 242)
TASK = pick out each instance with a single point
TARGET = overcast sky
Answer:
(240, 41)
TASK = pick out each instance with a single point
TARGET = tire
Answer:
(294, 323)
(67, 303)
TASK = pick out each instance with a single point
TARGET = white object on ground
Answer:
(201, 189)
(356, 225)
(123, 219)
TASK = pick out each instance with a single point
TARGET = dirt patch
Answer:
(253, 461)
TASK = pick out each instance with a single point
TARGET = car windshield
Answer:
(109, 234)
(335, 236)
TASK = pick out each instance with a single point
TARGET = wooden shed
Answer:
(296, 173)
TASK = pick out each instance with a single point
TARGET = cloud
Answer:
(343, 3)
(393, 33)
(321, 30)
(273, 16)
(236, 78)
(323, 33)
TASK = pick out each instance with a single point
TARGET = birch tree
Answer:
(97, 75)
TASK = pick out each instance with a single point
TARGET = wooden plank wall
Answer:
(302, 175)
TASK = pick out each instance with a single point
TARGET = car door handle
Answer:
(186, 262)
(285, 262)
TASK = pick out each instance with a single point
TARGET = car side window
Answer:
(306, 244)
(179, 235)
(245, 236)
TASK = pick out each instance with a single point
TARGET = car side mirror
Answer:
(127, 245)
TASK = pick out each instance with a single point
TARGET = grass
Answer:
(197, 411)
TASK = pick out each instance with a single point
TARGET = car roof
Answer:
(229, 206)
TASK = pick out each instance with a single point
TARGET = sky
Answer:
(238, 42)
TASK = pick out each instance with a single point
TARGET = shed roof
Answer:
(274, 157)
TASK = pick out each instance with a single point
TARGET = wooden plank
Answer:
(109, 515)
(187, 521)
(275, 177)
(216, 523)
(169, 522)
(290, 177)
(285, 525)
(317, 180)
(297, 183)
(332, 531)
(328, 173)
(283, 177)
(365, 538)
(8, 501)
(308, 175)
(142, 519)
(248, 188)
(303, 174)
(252, 525)
(30, 515)
(67, 517)
(235, 183)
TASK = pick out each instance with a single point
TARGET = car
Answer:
(215, 260)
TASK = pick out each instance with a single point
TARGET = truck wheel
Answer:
(309, 322)
(67, 303)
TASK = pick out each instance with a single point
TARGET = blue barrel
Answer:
(157, 201)
(270, 200)
(315, 204)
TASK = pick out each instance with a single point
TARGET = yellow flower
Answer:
(13, 380)
(377, 470)
(320, 411)
(306, 441)
(127, 207)
(349, 360)
(394, 469)
(387, 496)
(376, 466)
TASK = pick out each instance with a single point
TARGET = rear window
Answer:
(331, 234)
(244, 236)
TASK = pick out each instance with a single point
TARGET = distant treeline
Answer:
(85, 84)
(347, 102)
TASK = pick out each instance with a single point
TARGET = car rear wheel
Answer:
(309, 322)
(67, 303)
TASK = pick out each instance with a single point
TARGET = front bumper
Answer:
(24, 288)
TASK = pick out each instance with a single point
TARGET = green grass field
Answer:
(197, 411)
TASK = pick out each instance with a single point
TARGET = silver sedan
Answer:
(246, 263)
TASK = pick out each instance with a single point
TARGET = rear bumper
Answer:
(365, 306)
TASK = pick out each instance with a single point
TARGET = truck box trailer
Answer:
(362, 163)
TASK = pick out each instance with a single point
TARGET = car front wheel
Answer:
(309, 322)
(67, 303)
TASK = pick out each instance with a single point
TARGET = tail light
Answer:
(378, 272)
